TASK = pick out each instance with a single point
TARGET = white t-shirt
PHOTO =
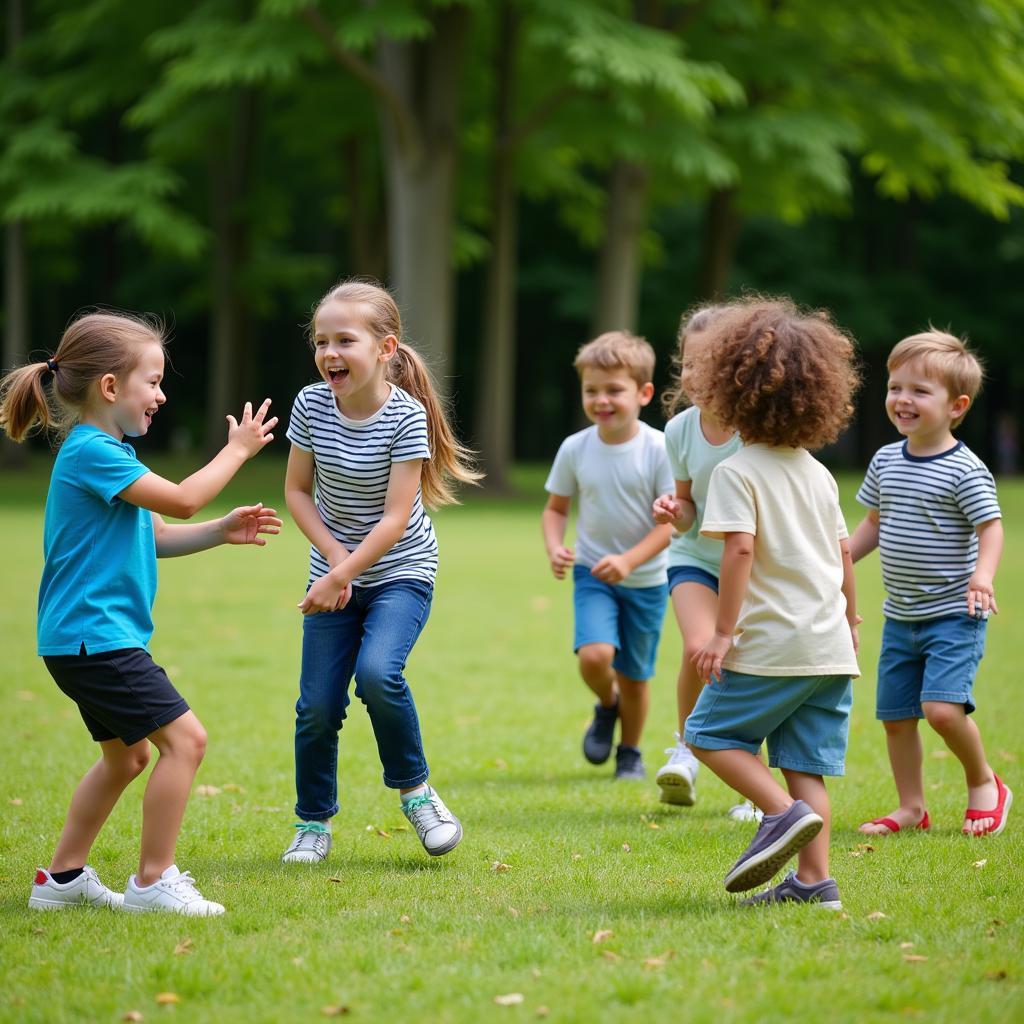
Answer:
(793, 619)
(615, 484)
(692, 457)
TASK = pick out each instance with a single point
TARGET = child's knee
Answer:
(129, 762)
(943, 717)
(595, 657)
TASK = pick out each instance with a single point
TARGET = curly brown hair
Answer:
(777, 374)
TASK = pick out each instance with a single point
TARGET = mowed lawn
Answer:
(571, 898)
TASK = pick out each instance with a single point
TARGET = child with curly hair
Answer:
(779, 665)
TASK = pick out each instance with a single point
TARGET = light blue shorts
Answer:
(934, 659)
(628, 618)
(690, 574)
(805, 719)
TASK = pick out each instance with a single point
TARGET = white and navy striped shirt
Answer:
(352, 464)
(928, 508)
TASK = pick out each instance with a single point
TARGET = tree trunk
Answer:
(231, 358)
(618, 276)
(497, 378)
(721, 230)
(421, 175)
(367, 238)
(15, 346)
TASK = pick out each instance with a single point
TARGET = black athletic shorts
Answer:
(120, 694)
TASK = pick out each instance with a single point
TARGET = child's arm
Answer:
(243, 525)
(864, 538)
(554, 520)
(615, 568)
(328, 593)
(246, 438)
(737, 558)
(678, 510)
(981, 595)
(849, 589)
(298, 496)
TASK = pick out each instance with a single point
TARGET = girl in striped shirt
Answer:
(371, 446)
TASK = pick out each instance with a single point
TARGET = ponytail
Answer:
(93, 345)
(449, 459)
(24, 404)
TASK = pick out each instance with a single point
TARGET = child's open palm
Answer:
(247, 524)
(252, 433)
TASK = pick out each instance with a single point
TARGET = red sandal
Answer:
(894, 826)
(998, 813)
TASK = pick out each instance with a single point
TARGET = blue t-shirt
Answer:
(99, 576)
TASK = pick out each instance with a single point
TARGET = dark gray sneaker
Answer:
(629, 764)
(778, 837)
(791, 890)
(600, 734)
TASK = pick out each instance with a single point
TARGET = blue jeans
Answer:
(371, 638)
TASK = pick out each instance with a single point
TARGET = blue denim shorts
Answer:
(805, 719)
(628, 618)
(690, 574)
(933, 659)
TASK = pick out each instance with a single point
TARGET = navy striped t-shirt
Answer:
(352, 465)
(928, 508)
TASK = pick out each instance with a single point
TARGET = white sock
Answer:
(418, 791)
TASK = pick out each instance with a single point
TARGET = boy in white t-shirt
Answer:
(779, 666)
(615, 469)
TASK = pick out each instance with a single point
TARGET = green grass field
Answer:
(571, 898)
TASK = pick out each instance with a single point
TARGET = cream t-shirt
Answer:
(793, 619)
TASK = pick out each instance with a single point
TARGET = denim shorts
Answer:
(690, 574)
(805, 719)
(628, 618)
(933, 659)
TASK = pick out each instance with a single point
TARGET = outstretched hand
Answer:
(246, 524)
(253, 432)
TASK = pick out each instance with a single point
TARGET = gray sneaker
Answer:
(778, 837)
(600, 734)
(311, 844)
(791, 890)
(439, 830)
(629, 764)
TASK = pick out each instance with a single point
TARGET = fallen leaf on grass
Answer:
(497, 865)
(132, 1015)
(980, 863)
(577, 856)
(915, 958)
(653, 963)
(15, 801)
(906, 945)
(298, 960)
(653, 824)
(627, 847)
(404, 919)
(334, 1011)
(610, 955)
(510, 999)
(995, 975)
(231, 787)
(1005, 755)
(167, 998)
(513, 912)
(208, 790)
(383, 834)
(542, 1011)
(602, 935)
(185, 946)
(333, 878)
(26, 695)
(876, 915)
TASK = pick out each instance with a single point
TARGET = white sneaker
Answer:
(174, 892)
(677, 779)
(311, 844)
(439, 830)
(84, 891)
(745, 811)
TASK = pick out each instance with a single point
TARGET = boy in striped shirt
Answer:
(934, 515)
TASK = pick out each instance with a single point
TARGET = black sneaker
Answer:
(600, 734)
(629, 764)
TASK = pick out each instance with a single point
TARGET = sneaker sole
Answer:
(598, 759)
(170, 910)
(676, 789)
(285, 859)
(764, 866)
(38, 903)
(448, 847)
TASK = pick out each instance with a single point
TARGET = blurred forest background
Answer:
(523, 174)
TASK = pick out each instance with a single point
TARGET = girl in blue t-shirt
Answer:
(102, 534)
(370, 447)
(695, 443)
